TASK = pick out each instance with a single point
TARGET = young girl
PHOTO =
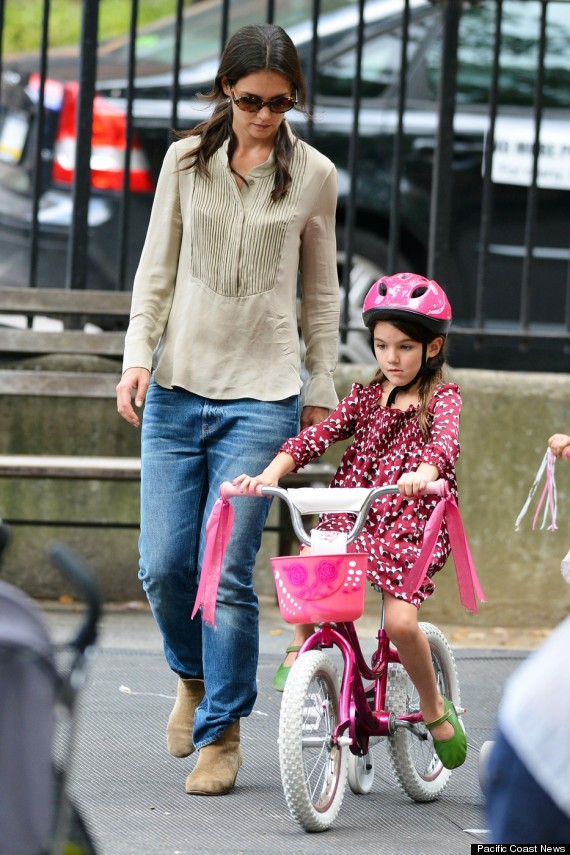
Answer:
(405, 426)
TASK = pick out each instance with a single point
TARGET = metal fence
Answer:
(448, 122)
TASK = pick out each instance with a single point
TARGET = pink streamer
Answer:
(218, 530)
(547, 492)
(467, 580)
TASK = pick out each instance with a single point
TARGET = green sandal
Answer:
(453, 751)
(283, 671)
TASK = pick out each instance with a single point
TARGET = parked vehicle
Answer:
(483, 309)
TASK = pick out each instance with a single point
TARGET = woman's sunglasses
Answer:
(253, 103)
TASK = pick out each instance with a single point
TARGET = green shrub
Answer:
(23, 23)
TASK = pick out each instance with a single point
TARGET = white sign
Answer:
(513, 155)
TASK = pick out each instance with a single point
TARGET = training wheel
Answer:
(360, 773)
(484, 753)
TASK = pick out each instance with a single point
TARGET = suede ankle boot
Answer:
(216, 770)
(181, 722)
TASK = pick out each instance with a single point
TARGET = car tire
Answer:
(369, 263)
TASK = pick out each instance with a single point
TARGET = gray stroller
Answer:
(37, 700)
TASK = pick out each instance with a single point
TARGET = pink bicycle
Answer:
(329, 722)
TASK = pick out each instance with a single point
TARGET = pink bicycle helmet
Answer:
(411, 297)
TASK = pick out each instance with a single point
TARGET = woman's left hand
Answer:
(313, 416)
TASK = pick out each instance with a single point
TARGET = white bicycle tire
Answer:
(416, 767)
(313, 771)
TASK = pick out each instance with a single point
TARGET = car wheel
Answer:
(369, 263)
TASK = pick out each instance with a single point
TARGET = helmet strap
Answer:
(396, 389)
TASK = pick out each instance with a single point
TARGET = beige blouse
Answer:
(214, 306)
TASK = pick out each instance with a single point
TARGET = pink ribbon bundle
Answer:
(218, 530)
(467, 580)
(547, 497)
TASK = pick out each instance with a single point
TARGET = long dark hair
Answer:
(431, 375)
(255, 47)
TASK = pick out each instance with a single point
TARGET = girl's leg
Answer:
(402, 626)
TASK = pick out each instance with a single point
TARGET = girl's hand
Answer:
(414, 483)
(558, 443)
(252, 483)
(281, 465)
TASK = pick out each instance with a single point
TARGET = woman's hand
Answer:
(133, 383)
(558, 444)
(313, 416)
(414, 483)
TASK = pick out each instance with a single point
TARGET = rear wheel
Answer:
(313, 769)
(416, 766)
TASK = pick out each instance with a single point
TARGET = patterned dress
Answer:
(388, 442)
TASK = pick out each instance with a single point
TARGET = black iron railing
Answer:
(415, 143)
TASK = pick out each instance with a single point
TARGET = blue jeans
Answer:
(518, 809)
(189, 446)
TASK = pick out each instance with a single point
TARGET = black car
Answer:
(497, 300)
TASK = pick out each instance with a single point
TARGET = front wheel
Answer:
(415, 764)
(313, 769)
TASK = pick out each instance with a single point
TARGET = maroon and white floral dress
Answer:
(388, 442)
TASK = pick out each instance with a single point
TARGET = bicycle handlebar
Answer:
(228, 491)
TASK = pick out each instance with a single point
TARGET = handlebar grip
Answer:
(229, 490)
(437, 488)
(568, 453)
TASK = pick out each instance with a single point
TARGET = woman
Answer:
(241, 208)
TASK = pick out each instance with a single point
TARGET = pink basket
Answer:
(317, 588)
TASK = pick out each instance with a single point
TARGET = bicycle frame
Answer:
(323, 713)
(355, 713)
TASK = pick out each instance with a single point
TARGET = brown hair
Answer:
(432, 374)
(255, 47)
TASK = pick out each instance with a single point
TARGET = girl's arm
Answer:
(280, 466)
(442, 450)
(307, 445)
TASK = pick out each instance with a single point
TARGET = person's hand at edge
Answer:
(559, 444)
(133, 384)
(313, 416)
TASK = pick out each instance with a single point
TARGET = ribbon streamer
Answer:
(467, 579)
(548, 492)
(218, 530)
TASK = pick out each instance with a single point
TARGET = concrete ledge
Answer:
(507, 419)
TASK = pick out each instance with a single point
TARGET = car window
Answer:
(519, 54)
(202, 28)
(381, 56)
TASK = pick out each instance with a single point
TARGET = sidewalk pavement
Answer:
(131, 792)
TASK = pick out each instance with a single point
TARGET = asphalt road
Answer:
(131, 792)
